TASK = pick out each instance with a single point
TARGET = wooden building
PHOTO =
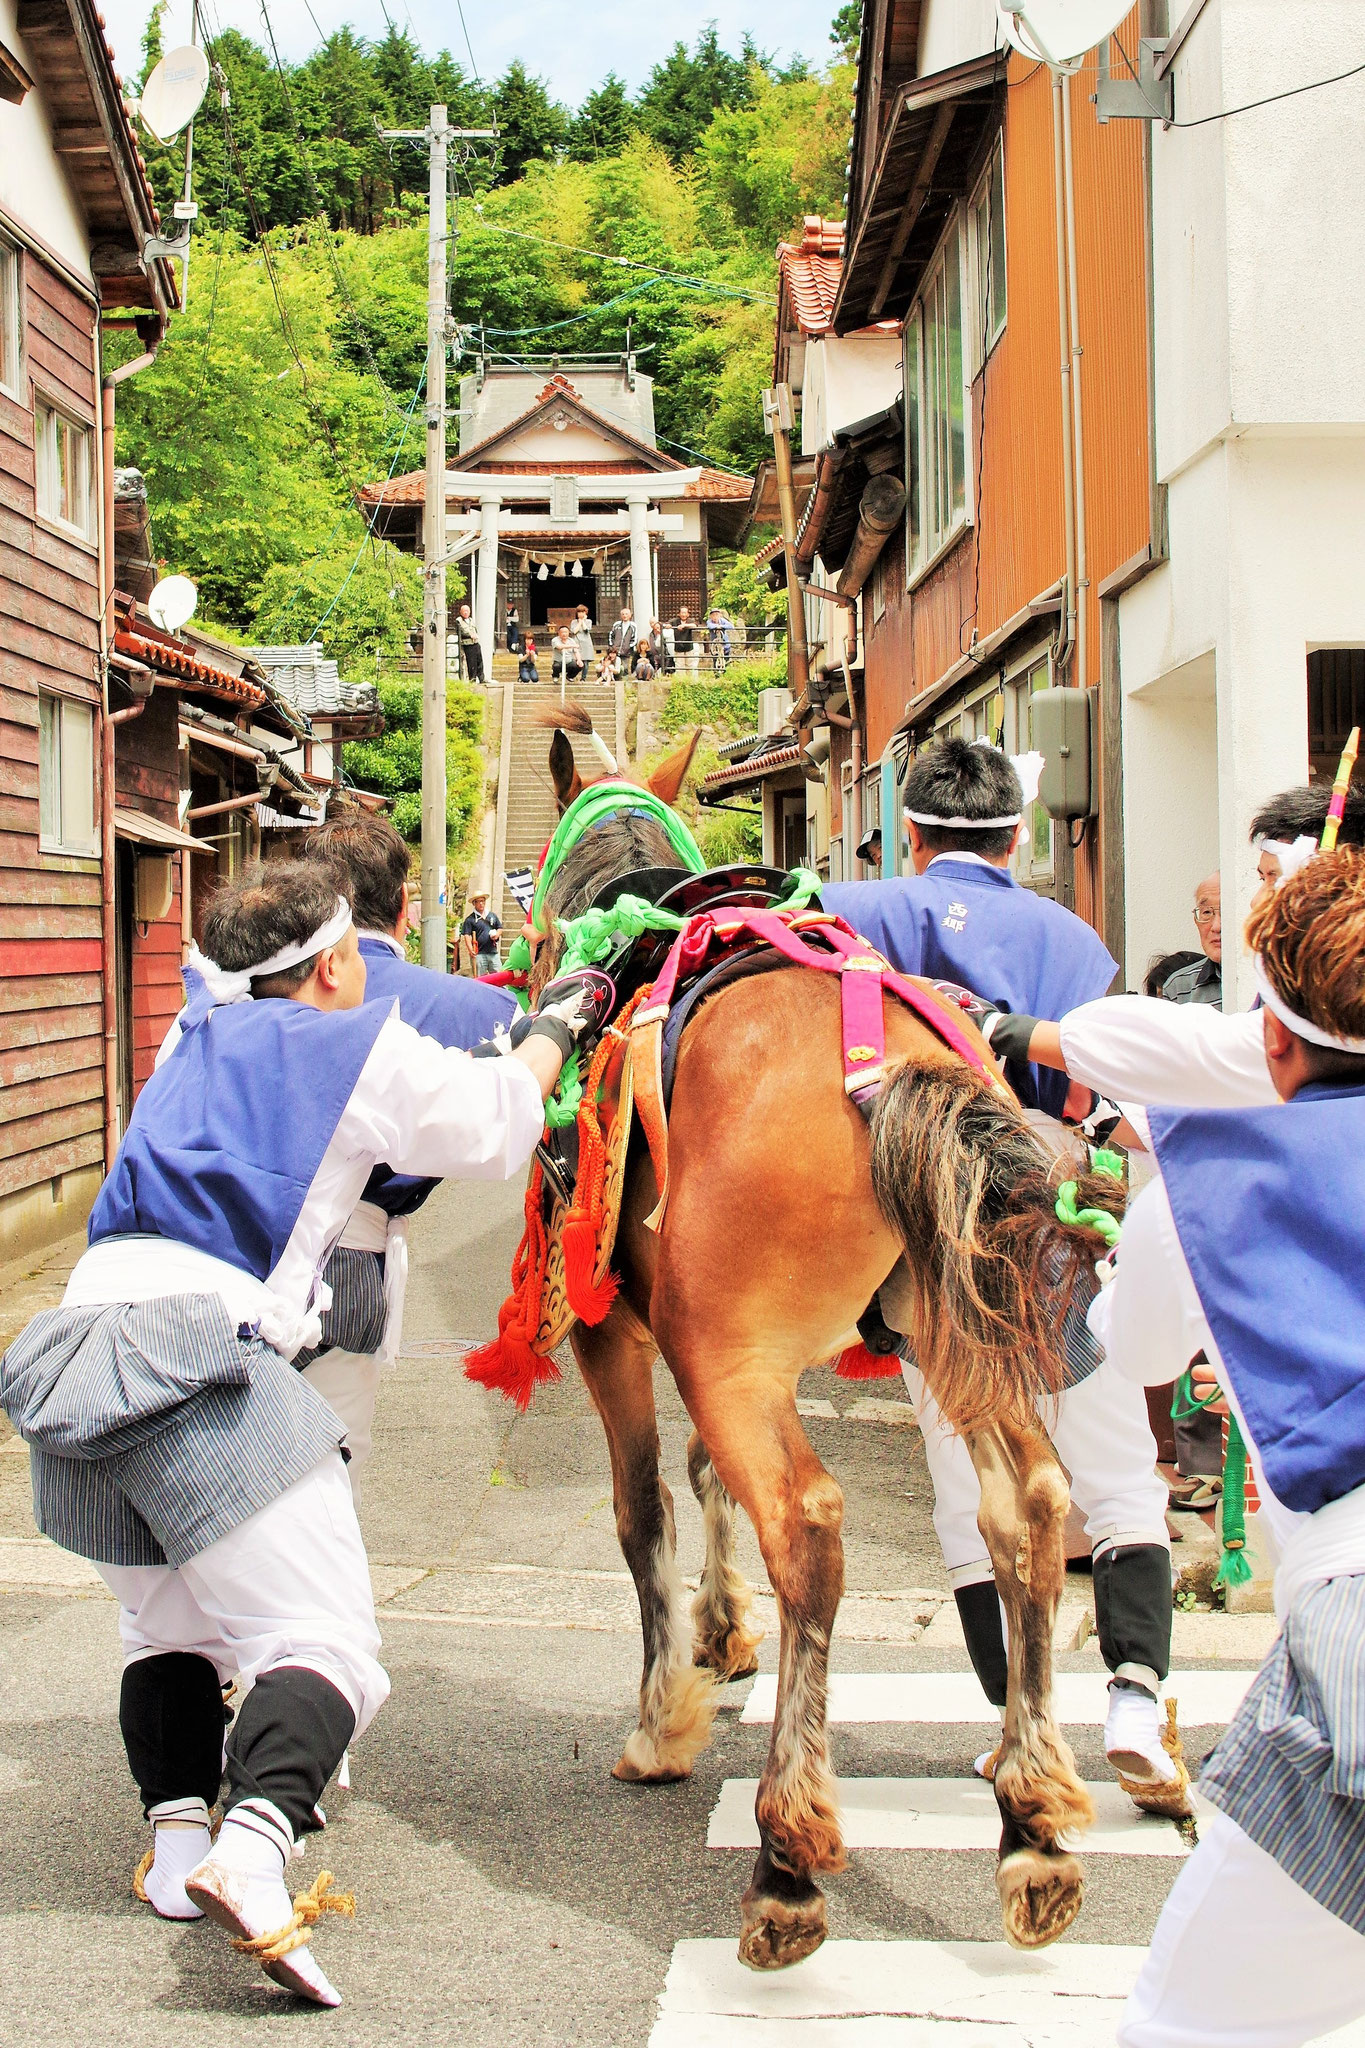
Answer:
(985, 595)
(76, 218)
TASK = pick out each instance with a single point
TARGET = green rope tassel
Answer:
(1234, 1567)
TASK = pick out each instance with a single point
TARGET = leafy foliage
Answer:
(392, 764)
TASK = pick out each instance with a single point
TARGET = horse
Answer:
(787, 1213)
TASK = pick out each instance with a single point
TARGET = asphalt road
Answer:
(509, 1889)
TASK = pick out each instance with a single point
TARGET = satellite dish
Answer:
(1059, 32)
(172, 603)
(174, 93)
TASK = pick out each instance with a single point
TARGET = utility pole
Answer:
(778, 418)
(435, 623)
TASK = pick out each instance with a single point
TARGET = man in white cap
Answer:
(173, 1443)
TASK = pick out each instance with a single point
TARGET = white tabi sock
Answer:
(181, 1841)
(1132, 1735)
(241, 1887)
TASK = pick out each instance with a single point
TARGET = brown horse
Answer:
(787, 1213)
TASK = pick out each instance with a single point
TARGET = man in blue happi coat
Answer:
(172, 1441)
(367, 1273)
(1250, 1250)
(962, 918)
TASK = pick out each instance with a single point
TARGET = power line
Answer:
(369, 518)
(630, 263)
(468, 45)
(1250, 106)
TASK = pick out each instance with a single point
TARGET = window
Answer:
(66, 776)
(9, 318)
(64, 469)
(935, 409)
(986, 234)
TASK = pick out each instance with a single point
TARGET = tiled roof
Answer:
(169, 658)
(810, 271)
(310, 682)
(769, 759)
(718, 484)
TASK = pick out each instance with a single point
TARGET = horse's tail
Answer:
(970, 1192)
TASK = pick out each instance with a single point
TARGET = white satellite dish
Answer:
(174, 93)
(1059, 32)
(172, 603)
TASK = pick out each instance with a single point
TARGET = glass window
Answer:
(935, 409)
(66, 775)
(64, 480)
(988, 257)
(9, 318)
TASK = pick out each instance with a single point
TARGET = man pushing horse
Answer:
(174, 1444)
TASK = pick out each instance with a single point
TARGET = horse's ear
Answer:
(568, 783)
(668, 778)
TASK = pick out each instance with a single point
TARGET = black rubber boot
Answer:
(1133, 1607)
(984, 1627)
(288, 1738)
(171, 1718)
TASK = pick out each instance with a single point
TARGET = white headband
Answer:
(1300, 1026)
(963, 824)
(1291, 854)
(233, 985)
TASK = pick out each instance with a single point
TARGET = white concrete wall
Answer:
(951, 31)
(34, 190)
(1260, 439)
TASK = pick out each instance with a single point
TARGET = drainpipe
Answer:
(235, 803)
(109, 719)
(1067, 634)
(1079, 673)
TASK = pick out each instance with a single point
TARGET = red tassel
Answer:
(508, 1365)
(589, 1303)
(858, 1363)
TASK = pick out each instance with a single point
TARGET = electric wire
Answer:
(371, 517)
(1227, 113)
(630, 263)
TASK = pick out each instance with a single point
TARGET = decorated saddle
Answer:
(669, 938)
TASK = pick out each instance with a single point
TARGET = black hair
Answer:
(1295, 812)
(369, 860)
(269, 907)
(1162, 966)
(954, 779)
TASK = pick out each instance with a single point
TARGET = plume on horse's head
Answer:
(665, 780)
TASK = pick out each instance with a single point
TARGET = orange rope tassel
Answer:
(510, 1364)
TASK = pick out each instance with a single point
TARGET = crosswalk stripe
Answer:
(691, 2030)
(945, 1813)
(1207, 1698)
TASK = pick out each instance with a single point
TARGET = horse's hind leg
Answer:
(677, 1702)
(720, 1613)
(1024, 1501)
(762, 1457)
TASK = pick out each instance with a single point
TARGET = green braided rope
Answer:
(1234, 1567)
(593, 936)
(1100, 1221)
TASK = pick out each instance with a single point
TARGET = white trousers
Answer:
(290, 1585)
(1103, 1437)
(348, 1382)
(1242, 1957)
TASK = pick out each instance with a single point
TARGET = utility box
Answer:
(1062, 729)
(773, 707)
(153, 886)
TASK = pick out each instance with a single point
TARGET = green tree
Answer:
(531, 126)
(604, 124)
(846, 30)
(392, 764)
(361, 602)
(683, 92)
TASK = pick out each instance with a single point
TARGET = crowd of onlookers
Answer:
(660, 648)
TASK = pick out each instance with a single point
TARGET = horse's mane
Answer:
(625, 841)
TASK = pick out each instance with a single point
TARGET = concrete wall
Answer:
(1260, 439)
(506, 394)
(845, 380)
(34, 190)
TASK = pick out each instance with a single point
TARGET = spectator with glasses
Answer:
(1203, 981)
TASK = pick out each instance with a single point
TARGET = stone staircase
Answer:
(528, 800)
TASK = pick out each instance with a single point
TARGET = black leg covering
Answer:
(1133, 1606)
(171, 1717)
(287, 1740)
(984, 1628)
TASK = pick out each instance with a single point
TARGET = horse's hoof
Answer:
(631, 1773)
(1040, 1896)
(707, 1657)
(779, 1929)
(646, 1762)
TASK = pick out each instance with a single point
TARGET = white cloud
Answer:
(573, 51)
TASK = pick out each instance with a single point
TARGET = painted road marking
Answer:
(1080, 1699)
(945, 1813)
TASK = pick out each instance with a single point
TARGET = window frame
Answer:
(986, 336)
(926, 543)
(47, 476)
(58, 775)
(11, 320)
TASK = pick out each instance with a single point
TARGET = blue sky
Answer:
(570, 47)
